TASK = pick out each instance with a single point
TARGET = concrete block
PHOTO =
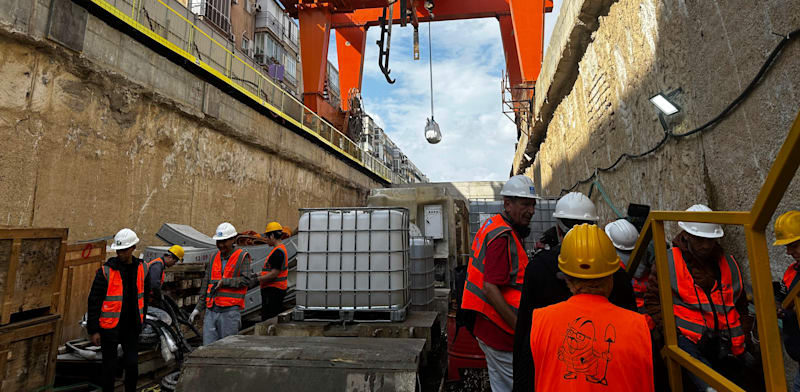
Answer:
(67, 24)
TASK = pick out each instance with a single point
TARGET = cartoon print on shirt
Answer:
(583, 354)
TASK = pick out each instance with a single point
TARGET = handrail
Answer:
(754, 221)
(180, 35)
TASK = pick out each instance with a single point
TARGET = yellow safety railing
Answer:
(169, 25)
(755, 223)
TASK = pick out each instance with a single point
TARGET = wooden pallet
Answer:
(31, 266)
(349, 315)
(80, 265)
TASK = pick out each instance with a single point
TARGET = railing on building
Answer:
(180, 31)
(217, 12)
(755, 224)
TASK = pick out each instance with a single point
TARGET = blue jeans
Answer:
(218, 325)
(691, 348)
(501, 368)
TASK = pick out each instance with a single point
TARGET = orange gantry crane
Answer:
(521, 25)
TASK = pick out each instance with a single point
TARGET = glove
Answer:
(194, 315)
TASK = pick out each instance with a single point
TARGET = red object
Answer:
(225, 296)
(691, 301)
(474, 298)
(588, 344)
(791, 277)
(463, 352)
(282, 281)
(112, 304)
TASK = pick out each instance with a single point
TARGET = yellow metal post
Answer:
(640, 249)
(667, 314)
(770, 339)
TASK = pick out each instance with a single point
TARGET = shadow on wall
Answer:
(710, 50)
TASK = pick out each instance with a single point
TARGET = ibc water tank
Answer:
(353, 258)
(422, 273)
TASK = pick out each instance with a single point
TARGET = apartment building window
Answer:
(218, 12)
(267, 49)
(291, 67)
(246, 45)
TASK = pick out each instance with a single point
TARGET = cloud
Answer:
(478, 140)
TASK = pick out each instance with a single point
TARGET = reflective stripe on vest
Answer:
(226, 296)
(694, 310)
(473, 297)
(791, 277)
(282, 281)
(112, 304)
(163, 267)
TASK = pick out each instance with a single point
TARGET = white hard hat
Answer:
(224, 231)
(706, 230)
(575, 205)
(519, 186)
(623, 234)
(124, 239)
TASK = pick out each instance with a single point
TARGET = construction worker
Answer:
(274, 277)
(586, 343)
(156, 268)
(787, 232)
(701, 275)
(495, 275)
(116, 309)
(623, 235)
(543, 287)
(224, 287)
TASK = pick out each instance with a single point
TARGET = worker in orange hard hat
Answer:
(586, 343)
(787, 233)
(274, 277)
(156, 268)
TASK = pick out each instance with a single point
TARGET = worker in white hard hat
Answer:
(702, 274)
(224, 287)
(543, 286)
(116, 309)
(495, 275)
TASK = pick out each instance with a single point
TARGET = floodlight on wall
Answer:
(662, 102)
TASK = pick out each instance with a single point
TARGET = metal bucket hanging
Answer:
(432, 133)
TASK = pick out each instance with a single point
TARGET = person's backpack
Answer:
(464, 317)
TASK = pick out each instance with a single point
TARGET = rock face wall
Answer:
(709, 51)
(117, 136)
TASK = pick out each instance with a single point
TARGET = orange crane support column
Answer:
(315, 32)
(350, 45)
(528, 21)
(512, 57)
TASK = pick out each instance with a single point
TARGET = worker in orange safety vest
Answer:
(586, 343)
(156, 270)
(274, 277)
(224, 287)
(116, 309)
(787, 233)
(494, 278)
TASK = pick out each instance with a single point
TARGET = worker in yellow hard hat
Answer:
(586, 343)
(274, 277)
(787, 233)
(156, 268)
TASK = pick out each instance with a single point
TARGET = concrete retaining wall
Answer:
(115, 135)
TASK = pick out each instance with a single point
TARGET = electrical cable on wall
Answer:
(708, 125)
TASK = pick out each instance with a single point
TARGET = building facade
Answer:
(277, 45)
(376, 142)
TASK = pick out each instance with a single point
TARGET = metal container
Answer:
(353, 259)
(422, 271)
(542, 220)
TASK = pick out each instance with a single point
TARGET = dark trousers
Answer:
(271, 302)
(130, 358)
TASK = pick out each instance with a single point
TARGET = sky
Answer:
(468, 61)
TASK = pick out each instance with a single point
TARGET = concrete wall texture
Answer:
(710, 50)
(116, 135)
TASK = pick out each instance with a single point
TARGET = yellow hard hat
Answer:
(787, 228)
(588, 253)
(273, 226)
(176, 250)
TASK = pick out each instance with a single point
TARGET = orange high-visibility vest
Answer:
(587, 344)
(694, 310)
(226, 296)
(473, 297)
(639, 289)
(791, 277)
(282, 281)
(112, 304)
(163, 267)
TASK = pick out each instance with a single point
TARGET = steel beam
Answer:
(315, 32)
(444, 10)
(528, 20)
(350, 44)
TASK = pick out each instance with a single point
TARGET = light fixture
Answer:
(663, 104)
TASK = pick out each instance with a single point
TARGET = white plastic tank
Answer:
(354, 258)
(422, 272)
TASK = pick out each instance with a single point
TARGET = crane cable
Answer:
(430, 64)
